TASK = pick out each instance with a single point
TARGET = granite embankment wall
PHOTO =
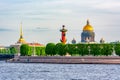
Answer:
(67, 60)
(6, 56)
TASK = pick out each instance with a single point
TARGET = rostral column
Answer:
(63, 35)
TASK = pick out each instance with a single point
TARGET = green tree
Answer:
(117, 49)
(25, 50)
(83, 49)
(13, 50)
(73, 49)
(95, 49)
(40, 51)
(106, 49)
(109, 49)
(60, 49)
(49, 50)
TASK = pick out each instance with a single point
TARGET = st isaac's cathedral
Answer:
(88, 34)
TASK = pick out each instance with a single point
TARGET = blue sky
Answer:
(49, 15)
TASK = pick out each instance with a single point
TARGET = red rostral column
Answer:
(63, 35)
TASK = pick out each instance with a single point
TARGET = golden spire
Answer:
(87, 21)
(21, 39)
(21, 33)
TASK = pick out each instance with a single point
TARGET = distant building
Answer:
(102, 40)
(88, 34)
(22, 41)
(35, 44)
(73, 41)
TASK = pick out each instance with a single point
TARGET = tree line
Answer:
(60, 49)
(26, 50)
(10, 50)
(79, 49)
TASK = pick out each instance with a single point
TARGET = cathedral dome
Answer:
(88, 27)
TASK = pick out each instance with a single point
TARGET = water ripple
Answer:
(21, 71)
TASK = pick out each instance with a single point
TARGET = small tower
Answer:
(73, 41)
(63, 35)
(102, 40)
(21, 39)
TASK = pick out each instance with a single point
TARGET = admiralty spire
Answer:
(21, 39)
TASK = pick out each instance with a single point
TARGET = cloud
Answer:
(33, 8)
(64, 11)
(4, 29)
(48, 15)
(22, 6)
(111, 6)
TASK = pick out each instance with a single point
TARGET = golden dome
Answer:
(88, 27)
(21, 40)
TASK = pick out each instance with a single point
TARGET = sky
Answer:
(42, 19)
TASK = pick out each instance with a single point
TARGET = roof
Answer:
(88, 27)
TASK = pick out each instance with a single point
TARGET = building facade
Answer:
(88, 34)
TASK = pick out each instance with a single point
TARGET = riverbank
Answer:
(6, 56)
(67, 59)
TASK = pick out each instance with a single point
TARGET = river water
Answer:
(39, 71)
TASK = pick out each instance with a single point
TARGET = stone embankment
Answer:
(67, 59)
(6, 56)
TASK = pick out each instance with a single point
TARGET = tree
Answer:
(117, 49)
(25, 50)
(60, 49)
(95, 49)
(108, 49)
(40, 51)
(49, 50)
(13, 50)
(72, 49)
(83, 49)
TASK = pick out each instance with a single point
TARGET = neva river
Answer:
(39, 71)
